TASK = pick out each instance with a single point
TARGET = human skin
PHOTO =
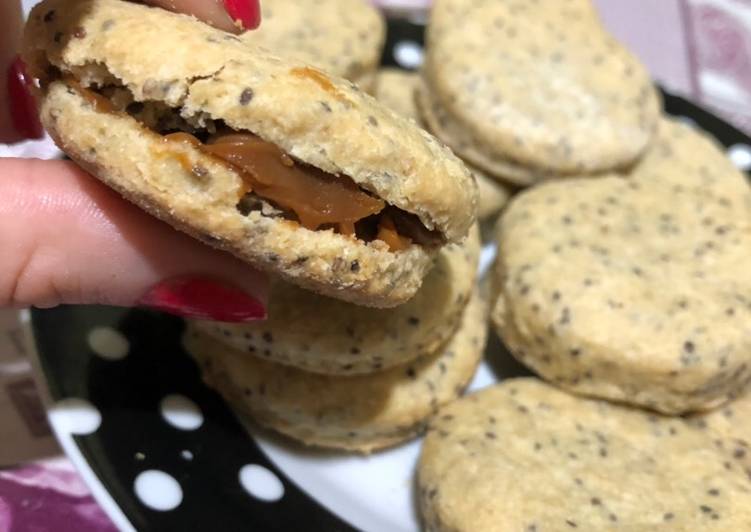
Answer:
(66, 238)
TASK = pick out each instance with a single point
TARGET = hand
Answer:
(66, 238)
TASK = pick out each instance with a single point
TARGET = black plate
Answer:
(126, 392)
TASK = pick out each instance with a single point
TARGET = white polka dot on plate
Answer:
(158, 490)
(186, 455)
(740, 155)
(408, 54)
(75, 416)
(261, 483)
(181, 412)
(108, 343)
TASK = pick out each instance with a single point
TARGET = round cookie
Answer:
(361, 413)
(492, 195)
(634, 288)
(396, 89)
(342, 37)
(526, 91)
(525, 456)
(323, 335)
(687, 157)
(105, 85)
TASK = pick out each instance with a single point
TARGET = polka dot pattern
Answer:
(261, 483)
(158, 490)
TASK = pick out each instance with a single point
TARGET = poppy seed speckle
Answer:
(246, 96)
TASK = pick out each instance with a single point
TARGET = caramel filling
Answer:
(312, 197)
(99, 102)
(317, 198)
(387, 233)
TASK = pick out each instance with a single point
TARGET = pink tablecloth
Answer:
(699, 48)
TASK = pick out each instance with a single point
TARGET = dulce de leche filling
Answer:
(312, 197)
(315, 197)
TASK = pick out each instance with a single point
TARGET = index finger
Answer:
(235, 16)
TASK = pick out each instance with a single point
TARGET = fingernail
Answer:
(23, 109)
(205, 299)
(246, 13)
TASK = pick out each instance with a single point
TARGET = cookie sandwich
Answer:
(523, 455)
(322, 335)
(360, 413)
(531, 90)
(341, 37)
(295, 171)
(634, 288)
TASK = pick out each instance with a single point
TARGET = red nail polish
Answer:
(23, 109)
(205, 299)
(247, 12)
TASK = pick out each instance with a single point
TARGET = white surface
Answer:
(181, 412)
(261, 483)
(370, 492)
(158, 490)
(75, 416)
(108, 343)
(740, 154)
(409, 54)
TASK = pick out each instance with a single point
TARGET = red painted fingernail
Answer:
(205, 299)
(245, 12)
(23, 109)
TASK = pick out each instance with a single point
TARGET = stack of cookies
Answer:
(621, 280)
(364, 221)
(631, 292)
(337, 375)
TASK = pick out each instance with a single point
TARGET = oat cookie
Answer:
(187, 99)
(361, 413)
(493, 196)
(342, 37)
(396, 88)
(634, 288)
(323, 335)
(523, 455)
(529, 90)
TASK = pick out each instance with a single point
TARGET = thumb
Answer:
(66, 238)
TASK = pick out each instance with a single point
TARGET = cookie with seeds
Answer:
(634, 288)
(342, 37)
(493, 196)
(296, 172)
(531, 90)
(396, 88)
(324, 335)
(546, 460)
(362, 413)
